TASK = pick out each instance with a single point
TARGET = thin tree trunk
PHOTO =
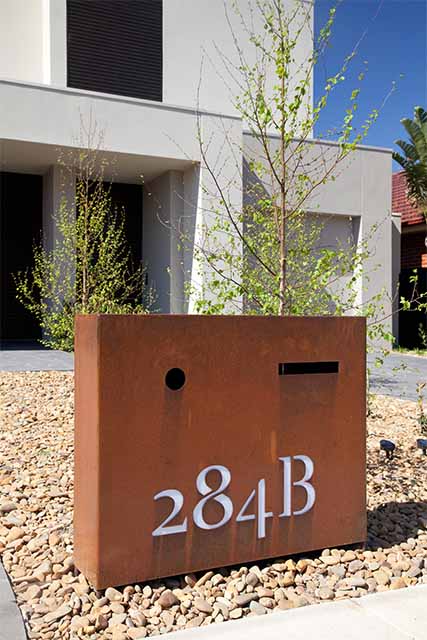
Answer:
(282, 225)
(282, 291)
(85, 248)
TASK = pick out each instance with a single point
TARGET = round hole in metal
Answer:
(175, 379)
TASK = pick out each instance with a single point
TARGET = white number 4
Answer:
(262, 514)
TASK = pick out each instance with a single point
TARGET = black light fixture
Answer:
(422, 444)
(388, 446)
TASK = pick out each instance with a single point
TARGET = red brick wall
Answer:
(412, 250)
(401, 204)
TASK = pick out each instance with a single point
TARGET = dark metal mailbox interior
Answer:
(208, 441)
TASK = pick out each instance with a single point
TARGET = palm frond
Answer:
(414, 160)
(417, 136)
(409, 149)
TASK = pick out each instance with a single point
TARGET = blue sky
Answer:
(394, 45)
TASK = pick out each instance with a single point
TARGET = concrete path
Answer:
(394, 615)
(11, 623)
(399, 375)
(33, 357)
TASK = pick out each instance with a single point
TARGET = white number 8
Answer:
(205, 490)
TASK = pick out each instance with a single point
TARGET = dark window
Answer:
(412, 323)
(115, 46)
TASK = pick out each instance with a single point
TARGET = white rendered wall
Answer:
(179, 209)
(220, 191)
(55, 42)
(144, 134)
(361, 191)
(53, 116)
(145, 138)
(22, 46)
(33, 43)
(194, 32)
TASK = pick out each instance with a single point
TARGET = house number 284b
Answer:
(254, 507)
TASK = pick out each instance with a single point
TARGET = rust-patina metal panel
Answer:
(208, 441)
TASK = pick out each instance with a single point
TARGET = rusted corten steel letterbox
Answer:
(208, 441)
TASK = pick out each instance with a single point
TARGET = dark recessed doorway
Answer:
(21, 216)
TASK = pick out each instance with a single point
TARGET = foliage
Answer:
(416, 302)
(414, 161)
(89, 268)
(285, 266)
(422, 334)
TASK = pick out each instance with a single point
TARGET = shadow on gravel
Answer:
(396, 523)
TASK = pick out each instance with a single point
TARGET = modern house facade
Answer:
(412, 323)
(147, 72)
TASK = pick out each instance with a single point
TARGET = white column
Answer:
(162, 251)
(179, 210)
(55, 42)
(56, 187)
(376, 205)
(220, 182)
(395, 254)
(51, 203)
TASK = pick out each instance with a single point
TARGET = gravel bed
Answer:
(36, 538)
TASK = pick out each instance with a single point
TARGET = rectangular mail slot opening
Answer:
(303, 368)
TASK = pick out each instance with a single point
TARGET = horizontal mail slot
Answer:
(303, 368)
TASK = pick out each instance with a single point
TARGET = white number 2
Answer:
(178, 500)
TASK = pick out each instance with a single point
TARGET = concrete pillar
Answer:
(220, 190)
(162, 248)
(395, 255)
(377, 276)
(357, 239)
(55, 42)
(180, 209)
(57, 187)
(52, 193)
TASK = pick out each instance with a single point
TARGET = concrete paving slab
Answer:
(33, 357)
(405, 609)
(366, 618)
(11, 623)
(398, 376)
